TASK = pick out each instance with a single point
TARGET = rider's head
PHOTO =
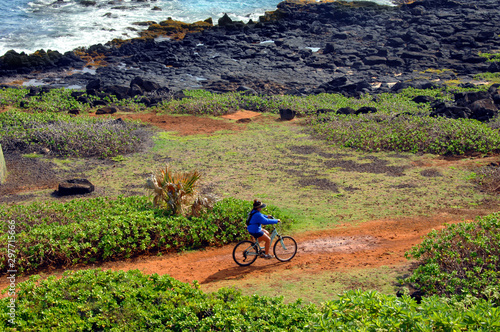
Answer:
(258, 205)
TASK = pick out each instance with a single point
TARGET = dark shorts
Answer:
(257, 235)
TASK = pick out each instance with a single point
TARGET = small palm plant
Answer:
(179, 191)
(175, 191)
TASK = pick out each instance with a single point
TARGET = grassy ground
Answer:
(282, 164)
(317, 287)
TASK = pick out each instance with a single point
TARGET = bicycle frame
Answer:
(274, 233)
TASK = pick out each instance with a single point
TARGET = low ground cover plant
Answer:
(487, 178)
(64, 135)
(385, 132)
(95, 300)
(208, 103)
(103, 229)
(373, 311)
(463, 260)
(60, 100)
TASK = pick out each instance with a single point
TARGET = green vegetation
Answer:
(487, 178)
(204, 102)
(462, 260)
(492, 77)
(95, 300)
(60, 100)
(492, 57)
(64, 135)
(372, 311)
(102, 229)
(406, 133)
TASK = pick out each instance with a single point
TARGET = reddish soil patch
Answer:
(241, 115)
(183, 125)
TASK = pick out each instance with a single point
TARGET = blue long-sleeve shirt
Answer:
(258, 219)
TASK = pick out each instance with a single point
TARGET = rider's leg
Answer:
(267, 241)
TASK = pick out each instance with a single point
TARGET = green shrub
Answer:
(373, 311)
(64, 135)
(461, 260)
(12, 97)
(385, 132)
(491, 77)
(54, 100)
(102, 229)
(491, 57)
(95, 300)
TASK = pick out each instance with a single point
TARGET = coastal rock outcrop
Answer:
(342, 47)
(482, 106)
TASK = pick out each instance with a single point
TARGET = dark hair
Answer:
(258, 204)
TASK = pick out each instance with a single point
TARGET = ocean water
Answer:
(63, 25)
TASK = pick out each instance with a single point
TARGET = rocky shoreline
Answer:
(301, 49)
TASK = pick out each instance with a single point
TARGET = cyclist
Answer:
(255, 221)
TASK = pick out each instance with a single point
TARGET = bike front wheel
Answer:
(285, 248)
(245, 253)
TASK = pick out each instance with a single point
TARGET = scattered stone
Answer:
(244, 120)
(366, 110)
(346, 110)
(75, 187)
(287, 114)
(106, 110)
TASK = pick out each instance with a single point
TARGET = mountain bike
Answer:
(246, 251)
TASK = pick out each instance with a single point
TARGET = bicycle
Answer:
(246, 251)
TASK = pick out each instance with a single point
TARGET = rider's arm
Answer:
(261, 219)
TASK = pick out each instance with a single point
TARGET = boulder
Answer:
(366, 110)
(225, 20)
(423, 99)
(448, 110)
(483, 110)
(346, 110)
(94, 85)
(145, 85)
(287, 114)
(106, 110)
(75, 187)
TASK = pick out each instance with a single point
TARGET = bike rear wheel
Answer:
(285, 248)
(245, 253)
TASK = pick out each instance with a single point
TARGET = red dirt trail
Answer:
(347, 247)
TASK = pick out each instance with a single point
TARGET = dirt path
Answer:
(371, 244)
